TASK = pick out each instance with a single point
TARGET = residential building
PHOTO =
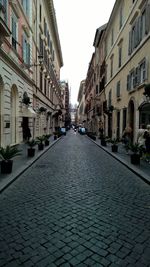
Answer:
(99, 95)
(127, 43)
(81, 104)
(30, 62)
(65, 94)
(90, 94)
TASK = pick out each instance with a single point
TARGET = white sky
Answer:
(77, 22)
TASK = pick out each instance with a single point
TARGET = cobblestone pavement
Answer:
(76, 206)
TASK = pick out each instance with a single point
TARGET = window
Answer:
(118, 89)
(41, 81)
(25, 49)
(139, 29)
(109, 98)
(25, 4)
(41, 46)
(142, 71)
(14, 31)
(120, 56)
(45, 85)
(137, 76)
(4, 3)
(111, 66)
(112, 37)
(45, 28)
(96, 89)
(121, 17)
(40, 13)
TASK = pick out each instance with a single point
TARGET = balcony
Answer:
(4, 30)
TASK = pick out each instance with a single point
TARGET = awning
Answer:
(28, 112)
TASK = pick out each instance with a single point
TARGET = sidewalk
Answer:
(22, 163)
(142, 170)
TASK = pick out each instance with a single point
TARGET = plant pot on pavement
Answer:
(103, 142)
(46, 142)
(114, 148)
(6, 154)
(6, 166)
(40, 146)
(135, 159)
(31, 152)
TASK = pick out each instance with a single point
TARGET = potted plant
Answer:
(55, 135)
(114, 146)
(40, 140)
(7, 153)
(31, 150)
(46, 139)
(136, 153)
(103, 141)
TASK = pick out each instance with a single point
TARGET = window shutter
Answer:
(147, 25)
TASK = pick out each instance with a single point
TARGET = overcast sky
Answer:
(77, 22)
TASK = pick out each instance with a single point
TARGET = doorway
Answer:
(131, 117)
(25, 126)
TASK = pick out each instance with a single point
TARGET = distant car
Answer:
(83, 131)
(63, 131)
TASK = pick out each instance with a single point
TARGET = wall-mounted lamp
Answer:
(40, 59)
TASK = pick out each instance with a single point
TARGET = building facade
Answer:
(30, 62)
(127, 41)
(81, 118)
(118, 77)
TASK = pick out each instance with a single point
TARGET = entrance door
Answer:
(118, 124)
(110, 125)
(131, 118)
(25, 126)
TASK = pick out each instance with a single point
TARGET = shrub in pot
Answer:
(31, 150)
(40, 140)
(6, 154)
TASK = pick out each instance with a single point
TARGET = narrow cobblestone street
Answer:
(76, 206)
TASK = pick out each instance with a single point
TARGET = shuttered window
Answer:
(137, 76)
(139, 29)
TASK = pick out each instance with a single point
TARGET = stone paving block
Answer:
(94, 215)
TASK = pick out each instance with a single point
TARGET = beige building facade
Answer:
(81, 117)
(127, 43)
(30, 62)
